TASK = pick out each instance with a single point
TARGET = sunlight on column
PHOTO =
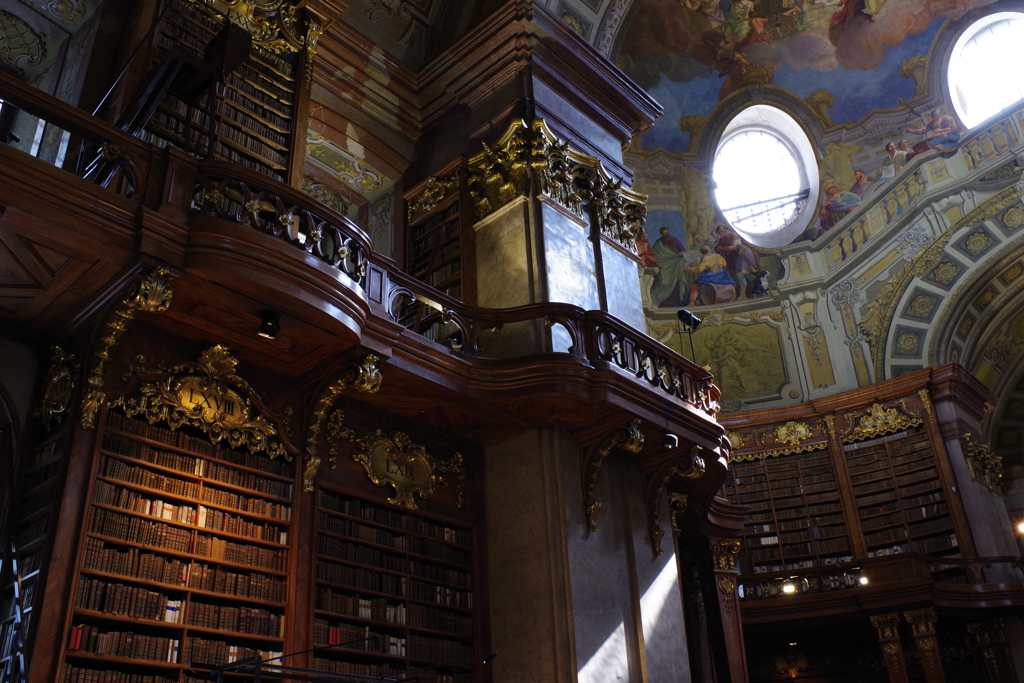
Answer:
(652, 604)
(610, 662)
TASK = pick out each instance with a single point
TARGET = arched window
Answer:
(766, 176)
(984, 76)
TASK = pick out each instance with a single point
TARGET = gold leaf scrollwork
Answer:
(366, 378)
(271, 23)
(677, 505)
(690, 465)
(209, 396)
(792, 433)
(879, 420)
(152, 295)
(726, 586)
(985, 466)
(407, 467)
(628, 438)
(313, 32)
(433, 194)
(60, 385)
(723, 553)
(887, 626)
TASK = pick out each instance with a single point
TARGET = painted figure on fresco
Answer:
(711, 270)
(864, 185)
(836, 205)
(892, 163)
(644, 250)
(743, 263)
(942, 132)
(669, 253)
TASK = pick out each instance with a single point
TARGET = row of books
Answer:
(256, 95)
(239, 101)
(75, 674)
(934, 544)
(891, 506)
(123, 445)
(921, 487)
(440, 595)
(926, 511)
(377, 609)
(254, 506)
(242, 160)
(130, 601)
(141, 531)
(361, 554)
(134, 563)
(256, 586)
(421, 616)
(919, 475)
(887, 536)
(239, 553)
(339, 667)
(41, 475)
(440, 275)
(105, 493)
(131, 645)
(254, 145)
(345, 527)
(112, 468)
(893, 550)
(216, 652)
(258, 622)
(913, 464)
(247, 480)
(31, 532)
(197, 444)
(440, 551)
(219, 520)
(29, 506)
(438, 650)
(45, 455)
(425, 247)
(351, 636)
(436, 220)
(931, 526)
(361, 578)
(258, 127)
(881, 520)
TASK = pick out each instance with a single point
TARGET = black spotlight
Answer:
(689, 320)
(669, 441)
(270, 325)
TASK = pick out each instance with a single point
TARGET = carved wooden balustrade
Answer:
(247, 197)
(595, 336)
(102, 153)
(179, 185)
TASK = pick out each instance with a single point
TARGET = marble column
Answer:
(888, 627)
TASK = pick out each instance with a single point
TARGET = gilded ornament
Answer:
(689, 466)
(1014, 218)
(677, 505)
(727, 586)
(985, 466)
(152, 295)
(735, 440)
(908, 342)
(271, 23)
(60, 385)
(977, 242)
(887, 626)
(791, 664)
(406, 467)
(944, 272)
(209, 396)
(628, 438)
(319, 191)
(922, 621)
(878, 421)
(922, 306)
(986, 298)
(1012, 274)
(965, 327)
(723, 553)
(433, 193)
(366, 378)
(20, 44)
(792, 433)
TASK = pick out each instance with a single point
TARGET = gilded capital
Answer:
(922, 621)
(723, 553)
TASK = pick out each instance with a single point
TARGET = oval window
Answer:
(765, 176)
(980, 82)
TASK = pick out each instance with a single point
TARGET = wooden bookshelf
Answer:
(251, 120)
(32, 521)
(395, 576)
(796, 519)
(899, 496)
(184, 559)
(440, 250)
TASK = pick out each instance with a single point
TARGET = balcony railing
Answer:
(135, 169)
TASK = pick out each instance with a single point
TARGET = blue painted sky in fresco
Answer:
(857, 92)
